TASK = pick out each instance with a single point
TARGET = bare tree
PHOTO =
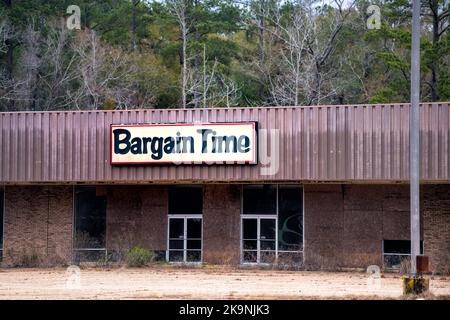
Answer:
(21, 91)
(255, 23)
(105, 74)
(228, 91)
(7, 83)
(179, 10)
(321, 51)
(304, 39)
(26, 94)
(60, 70)
(293, 78)
(218, 89)
(45, 70)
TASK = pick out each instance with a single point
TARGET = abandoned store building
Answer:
(322, 187)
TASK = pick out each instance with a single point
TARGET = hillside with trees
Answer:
(216, 53)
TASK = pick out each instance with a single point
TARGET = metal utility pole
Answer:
(414, 130)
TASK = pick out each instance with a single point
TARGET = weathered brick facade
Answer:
(436, 225)
(136, 216)
(346, 224)
(221, 224)
(38, 225)
(323, 225)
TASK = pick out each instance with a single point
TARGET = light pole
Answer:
(414, 130)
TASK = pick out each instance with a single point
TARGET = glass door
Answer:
(267, 240)
(259, 234)
(185, 239)
(249, 240)
(193, 251)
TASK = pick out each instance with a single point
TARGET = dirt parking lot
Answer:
(202, 283)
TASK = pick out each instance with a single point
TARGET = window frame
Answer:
(185, 217)
(258, 219)
(185, 238)
(393, 254)
(276, 216)
(75, 249)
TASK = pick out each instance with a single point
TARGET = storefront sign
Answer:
(183, 143)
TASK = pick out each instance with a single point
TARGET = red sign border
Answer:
(156, 162)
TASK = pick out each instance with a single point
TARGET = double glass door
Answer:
(185, 239)
(259, 239)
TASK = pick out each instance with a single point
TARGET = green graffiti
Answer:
(284, 230)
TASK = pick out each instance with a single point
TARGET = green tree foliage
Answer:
(129, 53)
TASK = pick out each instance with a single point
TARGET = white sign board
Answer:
(184, 143)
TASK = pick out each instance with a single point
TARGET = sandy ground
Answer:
(202, 283)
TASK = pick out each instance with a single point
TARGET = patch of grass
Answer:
(139, 257)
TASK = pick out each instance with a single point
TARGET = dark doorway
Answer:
(90, 224)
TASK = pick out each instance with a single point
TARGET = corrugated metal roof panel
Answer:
(348, 143)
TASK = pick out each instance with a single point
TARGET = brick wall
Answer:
(221, 224)
(323, 225)
(345, 224)
(436, 225)
(38, 225)
(136, 216)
